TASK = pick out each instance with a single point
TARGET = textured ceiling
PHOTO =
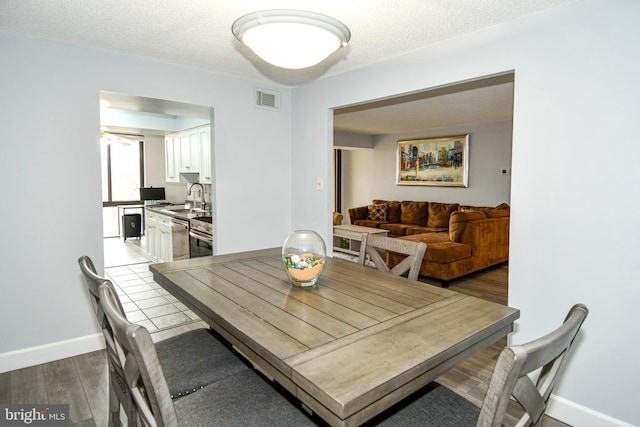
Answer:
(197, 33)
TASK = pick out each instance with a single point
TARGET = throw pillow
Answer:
(377, 212)
(393, 209)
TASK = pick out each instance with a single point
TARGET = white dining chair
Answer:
(375, 247)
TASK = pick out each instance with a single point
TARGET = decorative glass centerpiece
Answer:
(303, 255)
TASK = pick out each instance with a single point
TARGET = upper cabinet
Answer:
(189, 152)
(204, 140)
(171, 157)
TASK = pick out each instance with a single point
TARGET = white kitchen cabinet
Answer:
(172, 157)
(189, 152)
(204, 139)
(159, 243)
(151, 231)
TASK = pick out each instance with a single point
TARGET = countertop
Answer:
(178, 211)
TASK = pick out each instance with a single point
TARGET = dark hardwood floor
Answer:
(490, 284)
(81, 381)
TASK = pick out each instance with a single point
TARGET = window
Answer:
(122, 169)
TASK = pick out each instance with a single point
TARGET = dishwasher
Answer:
(180, 238)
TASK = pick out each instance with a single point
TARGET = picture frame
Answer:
(441, 161)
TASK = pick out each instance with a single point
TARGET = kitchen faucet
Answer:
(201, 192)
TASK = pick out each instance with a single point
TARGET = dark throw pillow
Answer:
(377, 212)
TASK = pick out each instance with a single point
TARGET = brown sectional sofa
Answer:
(460, 239)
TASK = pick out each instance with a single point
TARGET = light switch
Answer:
(319, 184)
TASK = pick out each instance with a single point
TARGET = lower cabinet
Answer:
(159, 243)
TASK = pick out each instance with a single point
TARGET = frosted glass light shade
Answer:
(290, 38)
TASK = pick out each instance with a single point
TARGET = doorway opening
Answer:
(366, 139)
(133, 133)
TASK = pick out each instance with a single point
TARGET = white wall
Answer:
(51, 188)
(574, 188)
(371, 174)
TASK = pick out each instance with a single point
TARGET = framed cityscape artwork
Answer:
(442, 161)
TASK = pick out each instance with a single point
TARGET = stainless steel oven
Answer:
(200, 237)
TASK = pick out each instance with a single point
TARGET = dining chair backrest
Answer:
(372, 244)
(93, 282)
(114, 354)
(511, 374)
(143, 373)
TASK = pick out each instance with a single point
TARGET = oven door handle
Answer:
(201, 236)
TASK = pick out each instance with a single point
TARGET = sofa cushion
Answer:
(415, 213)
(500, 211)
(440, 249)
(458, 222)
(420, 230)
(397, 229)
(377, 212)
(358, 213)
(393, 209)
(489, 212)
(428, 238)
(446, 252)
(496, 213)
(439, 214)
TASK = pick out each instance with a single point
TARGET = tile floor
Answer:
(144, 301)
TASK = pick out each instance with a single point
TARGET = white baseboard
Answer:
(31, 356)
(577, 415)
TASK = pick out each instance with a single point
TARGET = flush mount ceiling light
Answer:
(291, 38)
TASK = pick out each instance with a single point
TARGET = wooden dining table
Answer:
(348, 348)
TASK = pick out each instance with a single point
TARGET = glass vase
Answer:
(303, 255)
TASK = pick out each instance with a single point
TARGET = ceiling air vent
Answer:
(267, 99)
